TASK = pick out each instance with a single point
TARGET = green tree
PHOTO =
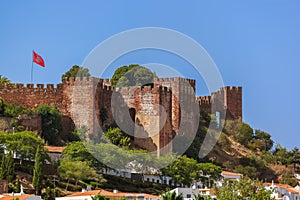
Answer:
(247, 171)
(282, 155)
(171, 196)
(51, 123)
(15, 109)
(295, 157)
(132, 75)
(23, 144)
(265, 138)
(244, 134)
(244, 189)
(80, 133)
(77, 151)
(50, 194)
(116, 137)
(37, 172)
(290, 179)
(99, 197)
(4, 80)
(210, 169)
(76, 71)
(77, 170)
(201, 197)
(7, 167)
(183, 170)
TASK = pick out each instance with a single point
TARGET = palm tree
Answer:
(99, 197)
(201, 197)
(172, 196)
(4, 80)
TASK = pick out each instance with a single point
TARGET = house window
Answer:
(157, 181)
(153, 180)
(188, 196)
(148, 179)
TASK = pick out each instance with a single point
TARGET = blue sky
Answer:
(255, 44)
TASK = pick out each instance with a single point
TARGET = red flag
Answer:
(38, 59)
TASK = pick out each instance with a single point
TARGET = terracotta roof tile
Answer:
(53, 149)
(231, 173)
(110, 194)
(20, 197)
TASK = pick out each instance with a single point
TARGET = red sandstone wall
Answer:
(31, 96)
(178, 86)
(227, 99)
(166, 133)
(81, 101)
(234, 102)
(151, 130)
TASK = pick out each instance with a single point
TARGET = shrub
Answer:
(14, 110)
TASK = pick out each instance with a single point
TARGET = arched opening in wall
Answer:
(132, 113)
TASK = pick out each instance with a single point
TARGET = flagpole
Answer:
(31, 71)
(32, 68)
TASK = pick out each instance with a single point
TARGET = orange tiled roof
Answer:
(53, 149)
(110, 194)
(286, 186)
(293, 190)
(231, 173)
(20, 197)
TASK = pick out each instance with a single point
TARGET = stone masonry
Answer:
(151, 115)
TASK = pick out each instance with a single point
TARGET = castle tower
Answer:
(226, 100)
(233, 102)
(183, 101)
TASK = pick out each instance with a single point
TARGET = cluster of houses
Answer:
(279, 191)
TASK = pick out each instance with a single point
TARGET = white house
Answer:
(231, 175)
(187, 193)
(283, 191)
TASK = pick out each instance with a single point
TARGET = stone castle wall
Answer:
(227, 101)
(152, 114)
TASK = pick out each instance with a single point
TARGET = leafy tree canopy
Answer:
(183, 170)
(211, 170)
(76, 151)
(51, 123)
(132, 75)
(172, 196)
(243, 189)
(4, 80)
(23, 144)
(78, 170)
(76, 71)
(116, 137)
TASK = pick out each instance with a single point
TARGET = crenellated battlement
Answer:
(230, 88)
(148, 88)
(203, 99)
(107, 88)
(81, 100)
(30, 87)
(175, 80)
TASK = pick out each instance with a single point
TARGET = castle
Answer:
(152, 115)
